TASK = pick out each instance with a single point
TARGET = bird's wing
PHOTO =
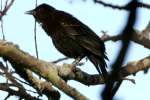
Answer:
(82, 34)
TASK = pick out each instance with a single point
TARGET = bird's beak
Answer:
(30, 12)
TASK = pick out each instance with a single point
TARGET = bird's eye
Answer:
(39, 10)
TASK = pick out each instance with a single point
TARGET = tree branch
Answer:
(134, 67)
(42, 87)
(87, 79)
(69, 72)
(127, 33)
(47, 70)
(125, 7)
(20, 92)
(6, 8)
(142, 38)
(7, 87)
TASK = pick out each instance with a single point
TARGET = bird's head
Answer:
(42, 12)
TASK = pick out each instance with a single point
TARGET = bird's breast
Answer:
(62, 41)
(67, 46)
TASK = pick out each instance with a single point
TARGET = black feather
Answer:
(71, 37)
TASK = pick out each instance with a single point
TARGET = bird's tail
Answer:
(99, 63)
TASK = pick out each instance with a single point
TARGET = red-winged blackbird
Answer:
(70, 36)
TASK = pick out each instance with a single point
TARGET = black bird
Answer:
(70, 36)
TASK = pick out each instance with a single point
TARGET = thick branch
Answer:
(85, 78)
(127, 33)
(69, 73)
(142, 38)
(134, 67)
(47, 70)
(41, 86)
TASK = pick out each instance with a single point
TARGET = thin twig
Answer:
(59, 60)
(2, 28)
(6, 98)
(35, 35)
(20, 93)
(6, 8)
(139, 4)
(22, 81)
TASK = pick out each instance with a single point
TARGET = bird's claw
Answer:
(77, 63)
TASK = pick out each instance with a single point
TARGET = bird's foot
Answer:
(77, 62)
